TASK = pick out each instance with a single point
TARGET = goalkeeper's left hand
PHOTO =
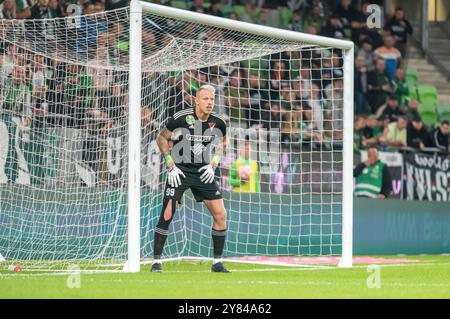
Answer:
(208, 176)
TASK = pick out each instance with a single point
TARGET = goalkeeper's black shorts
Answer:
(200, 190)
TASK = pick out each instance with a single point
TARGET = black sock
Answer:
(218, 237)
(158, 245)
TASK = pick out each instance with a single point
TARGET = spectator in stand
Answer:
(372, 177)
(244, 173)
(399, 27)
(360, 29)
(23, 9)
(41, 10)
(215, 9)
(296, 23)
(314, 18)
(305, 77)
(308, 5)
(232, 16)
(78, 91)
(379, 86)
(395, 133)
(348, 15)
(271, 115)
(290, 130)
(330, 68)
(249, 12)
(390, 54)
(335, 112)
(367, 54)
(288, 97)
(316, 102)
(334, 28)
(311, 30)
(310, 136)
(372, 131)
(8, 9)
(35, 149)
(115, 4)
(359, 124)
(359, 24)
(198, 6)
(440, 137)
(14, 95)
(417, 135)
(257, 94)
(278, 74)
(400, 87)
(236, 97)
(263, 17)
(360, 90)
(88, 31)
(390, 109)
(412, 110)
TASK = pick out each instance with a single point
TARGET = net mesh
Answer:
(63, 155)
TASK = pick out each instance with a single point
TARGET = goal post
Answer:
(134, 139)
(82, 99)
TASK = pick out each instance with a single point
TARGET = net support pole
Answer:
(347, 156)
(134, 138)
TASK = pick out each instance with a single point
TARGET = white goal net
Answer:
(64, 89)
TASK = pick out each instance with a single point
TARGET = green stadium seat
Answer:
(180, 5)
(411, 76)
(348, 33)
(226, 9)
(428, 94)
(428, 113)
(239, 10)
(412, 92)
(443, 112)
(285, 16)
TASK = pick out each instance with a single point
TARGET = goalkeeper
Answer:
(192, 164)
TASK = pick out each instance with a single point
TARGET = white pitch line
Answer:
(29, 273)
(263, 282)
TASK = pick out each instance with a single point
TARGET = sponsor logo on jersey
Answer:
(199, 138)
(198, 148)
(211, 125)
(190, 119)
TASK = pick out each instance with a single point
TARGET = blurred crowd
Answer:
(299, 93)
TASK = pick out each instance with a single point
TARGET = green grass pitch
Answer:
(428, 278)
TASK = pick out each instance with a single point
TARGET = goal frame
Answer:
(136, 10)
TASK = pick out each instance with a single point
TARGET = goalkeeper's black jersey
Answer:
(195, 141)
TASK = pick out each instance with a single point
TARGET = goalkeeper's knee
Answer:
(163, 224)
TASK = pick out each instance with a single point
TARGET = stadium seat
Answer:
(226, 9)
(239, 10)
(428, 94)
(443, 112)
(285, 16)
(180, 4)
(428, 113)
(348, 33)
(411, 76)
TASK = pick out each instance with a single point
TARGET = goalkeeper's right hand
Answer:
(174, 176)
(174, 172)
